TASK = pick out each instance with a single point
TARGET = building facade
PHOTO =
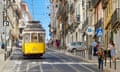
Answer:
(10, 22)
(66, 20)
(84, 20)
(25, 17)
(112, 23)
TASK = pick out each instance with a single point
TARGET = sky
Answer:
(39, 10)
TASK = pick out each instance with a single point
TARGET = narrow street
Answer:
(75, 35)
(52, 61)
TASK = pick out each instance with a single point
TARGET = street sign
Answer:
(90, 30)
(99, 32)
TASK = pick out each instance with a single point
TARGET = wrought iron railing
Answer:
(72, 7)
(99, 23)
(78, 18)
(85, 23)
(60, 11)
(94, 2)
(116, 16)
(104, 3)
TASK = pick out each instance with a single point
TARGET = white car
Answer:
(74, 46)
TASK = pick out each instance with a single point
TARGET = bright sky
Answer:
(40, 11)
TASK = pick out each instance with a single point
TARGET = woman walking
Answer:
(111, 46)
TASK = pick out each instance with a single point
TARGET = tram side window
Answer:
(34, 37)
(41, 37)
(27, 38)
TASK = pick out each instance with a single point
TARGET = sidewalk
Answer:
(112, 68)
(2, 61)
(2, 57)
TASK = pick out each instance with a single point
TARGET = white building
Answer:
(75, 21)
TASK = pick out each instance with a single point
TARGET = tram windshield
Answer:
(41, 37)
(26, 37)
(34, 37)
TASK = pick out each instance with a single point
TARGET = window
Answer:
(34, 37)
(73, 43)
(78, 43)
(14, 1)
(56, 5)
(41, 37)
(26, 37)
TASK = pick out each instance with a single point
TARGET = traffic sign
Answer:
(90, 30)
(99, 32)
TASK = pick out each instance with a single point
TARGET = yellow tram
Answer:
(33, 39)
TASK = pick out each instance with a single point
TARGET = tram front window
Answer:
(27, 37)
(34, 37)
(41, 37)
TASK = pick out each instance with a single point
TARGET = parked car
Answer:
(74, 46)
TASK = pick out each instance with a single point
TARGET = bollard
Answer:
(105, 60)
(5, 56)
(115, 64)
(110, 62)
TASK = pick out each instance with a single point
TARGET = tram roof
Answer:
(34, 25)
(34, 29)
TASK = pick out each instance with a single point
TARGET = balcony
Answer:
(78, 19)
(49, 25)
(13, 3)
(104, 2)
(67, 8)
(53, 30)
(65, 18)
(60, 11)
(72, 27)
(72, 8)
(115, 17)
(85, 23)
(99, 23)
(94, 2)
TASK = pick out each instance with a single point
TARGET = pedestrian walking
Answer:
(101, 58)
(111, 47)
(57, 44)
(94, 44)
(3, 46)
